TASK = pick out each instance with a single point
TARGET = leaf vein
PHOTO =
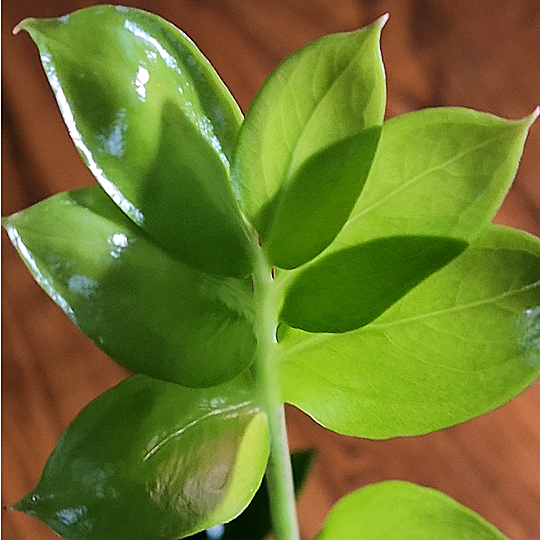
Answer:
(356, 216)
(319, 104)
(316, 338)
(470, 305)
(197, 421)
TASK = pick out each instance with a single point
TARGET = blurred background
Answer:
(482, 54)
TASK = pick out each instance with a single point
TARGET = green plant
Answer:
(310, 254)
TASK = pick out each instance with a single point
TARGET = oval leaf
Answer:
(463, 342)
(350, 288)
(155, 125)
(318, 100)
(143, 307)
(437, 172)
(153, 460)
(402, 511)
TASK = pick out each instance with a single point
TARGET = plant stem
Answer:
(279, 471)
(280, 481)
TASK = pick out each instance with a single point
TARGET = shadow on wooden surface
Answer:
(482, 54)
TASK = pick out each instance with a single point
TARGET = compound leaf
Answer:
(402, 511)
(155, 125)
(433, 359)
(139, 304)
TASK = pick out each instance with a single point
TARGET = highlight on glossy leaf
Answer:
(307, 143)
(155, 125)
(397, 510)
(153, 460)
(142, 306)
(433, 359)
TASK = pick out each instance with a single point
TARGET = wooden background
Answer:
(480, 53)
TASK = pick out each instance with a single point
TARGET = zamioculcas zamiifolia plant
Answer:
(310, 253)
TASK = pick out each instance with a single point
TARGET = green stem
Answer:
(280, 481)
(279, 471)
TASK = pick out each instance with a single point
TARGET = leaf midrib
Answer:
(240, 407)
(356, 216)
(295, 145)
(454, 309)
(319, 104)
(309, 341)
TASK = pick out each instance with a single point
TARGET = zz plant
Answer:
(309, 253)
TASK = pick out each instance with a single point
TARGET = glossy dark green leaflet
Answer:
(155, 125)
(154, 461)
(433, 359)
(140, 305)
(308, 115)
(402, 511)
(350, 288)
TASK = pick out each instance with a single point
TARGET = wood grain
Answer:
(481, 54)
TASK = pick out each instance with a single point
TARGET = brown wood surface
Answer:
(480, 53)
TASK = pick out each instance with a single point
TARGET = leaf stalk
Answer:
(279, 471)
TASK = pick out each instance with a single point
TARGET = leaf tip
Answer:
(34, 26)
(18, 506)
(530, 119)
(382, 20)
(5, 222)
(23, 25)
(534, 115)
